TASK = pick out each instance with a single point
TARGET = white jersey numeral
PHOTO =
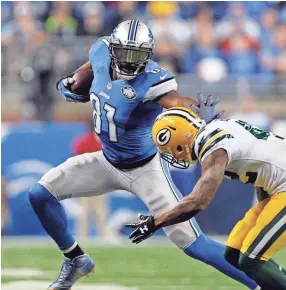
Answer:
(110, 112)
(96, 113)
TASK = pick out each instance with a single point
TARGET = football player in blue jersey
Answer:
(128, 91)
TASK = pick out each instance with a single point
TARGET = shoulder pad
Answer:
(99, 52)
(211, 137)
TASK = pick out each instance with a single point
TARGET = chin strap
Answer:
(125, 77)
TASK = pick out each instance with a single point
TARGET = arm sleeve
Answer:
(209, 141)
(161, 82)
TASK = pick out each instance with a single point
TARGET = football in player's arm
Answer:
(205, 108)
(240, 151)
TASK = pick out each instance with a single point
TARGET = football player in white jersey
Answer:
(234, 149)
(128, 91)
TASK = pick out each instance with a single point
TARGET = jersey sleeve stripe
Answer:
(161, 82)
(213, 141)
(205, 139)
(159, 90)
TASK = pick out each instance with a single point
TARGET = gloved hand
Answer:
(207, 108)
(145, 228)
(64, 86)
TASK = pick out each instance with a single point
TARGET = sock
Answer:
(212, 253)
(71, 254)
(52, 216)
(232, 256)
(263, 272)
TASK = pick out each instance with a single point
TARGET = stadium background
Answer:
(234, 50)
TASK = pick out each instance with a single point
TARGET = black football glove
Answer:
(144, 229)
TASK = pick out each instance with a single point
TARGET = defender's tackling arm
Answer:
(213, 168)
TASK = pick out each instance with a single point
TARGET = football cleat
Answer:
(71, 271)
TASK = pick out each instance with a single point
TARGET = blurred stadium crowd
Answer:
(249, 37)
(42, 41)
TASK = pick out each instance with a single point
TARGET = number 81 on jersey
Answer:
(109, 113)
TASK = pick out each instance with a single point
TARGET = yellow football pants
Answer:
(262, 231)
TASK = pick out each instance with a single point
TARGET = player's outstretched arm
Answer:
(213, 168)
(174, 99)
(205, 107)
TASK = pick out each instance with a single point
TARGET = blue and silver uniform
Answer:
(123, 116)
(123, 110)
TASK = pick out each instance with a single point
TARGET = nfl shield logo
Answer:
(128, 92)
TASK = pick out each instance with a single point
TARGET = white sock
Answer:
(69, 249)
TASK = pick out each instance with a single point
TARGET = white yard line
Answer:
(21, 272)
(36, 285)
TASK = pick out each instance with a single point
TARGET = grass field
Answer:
(132, 268)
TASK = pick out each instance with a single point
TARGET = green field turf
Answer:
(158, 268)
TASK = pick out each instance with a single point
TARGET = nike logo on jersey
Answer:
(103, 94)
(163, 77)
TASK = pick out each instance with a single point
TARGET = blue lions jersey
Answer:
(123, 111)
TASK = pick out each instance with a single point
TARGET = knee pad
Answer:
(232, 256)
(39, 194)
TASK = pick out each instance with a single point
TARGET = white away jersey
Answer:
(254, 156)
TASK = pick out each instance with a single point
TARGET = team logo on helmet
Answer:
(128, 92)
(163, 137)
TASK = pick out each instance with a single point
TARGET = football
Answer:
(83, 80)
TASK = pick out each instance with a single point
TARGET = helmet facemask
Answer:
(129, 61)
(131, 47)
(181, 164)
(181, 156)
